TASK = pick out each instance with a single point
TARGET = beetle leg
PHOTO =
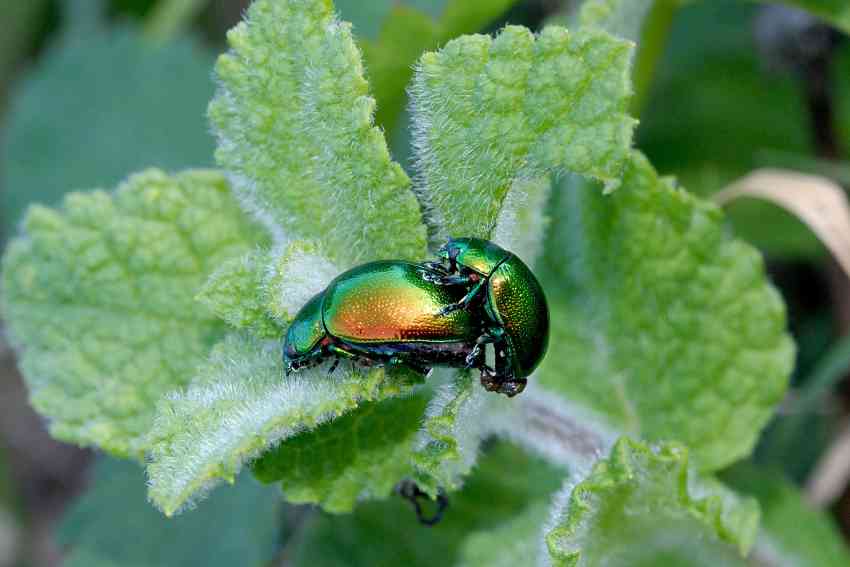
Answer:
(340, 353)
(502, 379)
(467, 299)
(446, 278)
(475, 356)
(408, 490)
(333, 366)
(437, 267)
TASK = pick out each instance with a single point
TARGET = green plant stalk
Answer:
(169, 17)
(654, 35)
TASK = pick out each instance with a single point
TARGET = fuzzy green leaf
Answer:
(502, 486)
(360, 455)
(240, 405)
(661, 322)
(642, 506)
(263, 291)
(113, 525)
(489, 112)
(236, 293)
(99, 297)
(793, 533)
(459, 417)
(295, 128)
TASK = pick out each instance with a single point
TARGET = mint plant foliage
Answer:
(146, 96)
(99, 296)
(149, 319)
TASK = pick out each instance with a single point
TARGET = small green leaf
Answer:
(263, 291)
(294, 121)
(489, 112)
(642, 506)
(236, 293)
(113, 525)
(449, 441)
(363, 454)
(459, 417)
(661, 322)
(387, 534)
(99, 297)
(134, 106)
(793, 533)
(239, 405)
(294, 276)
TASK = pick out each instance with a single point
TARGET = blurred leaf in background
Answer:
(22, 22)
(114, 525)
(394, 34)
(716, 112)
(792, 530)
(841, 73)
(8, 522)
(99, 105)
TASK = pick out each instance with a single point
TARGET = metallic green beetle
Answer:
(430, 314)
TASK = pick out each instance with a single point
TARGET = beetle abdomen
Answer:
(517, 301)
(390, 301)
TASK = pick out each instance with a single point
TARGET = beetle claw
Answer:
(408, 490)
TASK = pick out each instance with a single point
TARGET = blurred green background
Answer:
(91, 91)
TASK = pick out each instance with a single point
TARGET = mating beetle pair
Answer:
(429, 314)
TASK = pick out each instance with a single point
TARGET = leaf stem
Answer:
(653, 39)
(169, 17)
(559, 432)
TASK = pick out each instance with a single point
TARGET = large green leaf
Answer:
(298, 136)
(503, 485)
(643, 507)
(241, 404)
(661, 322)
(133, 106)
(99, 298)
(113, 525)
(489, 113)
